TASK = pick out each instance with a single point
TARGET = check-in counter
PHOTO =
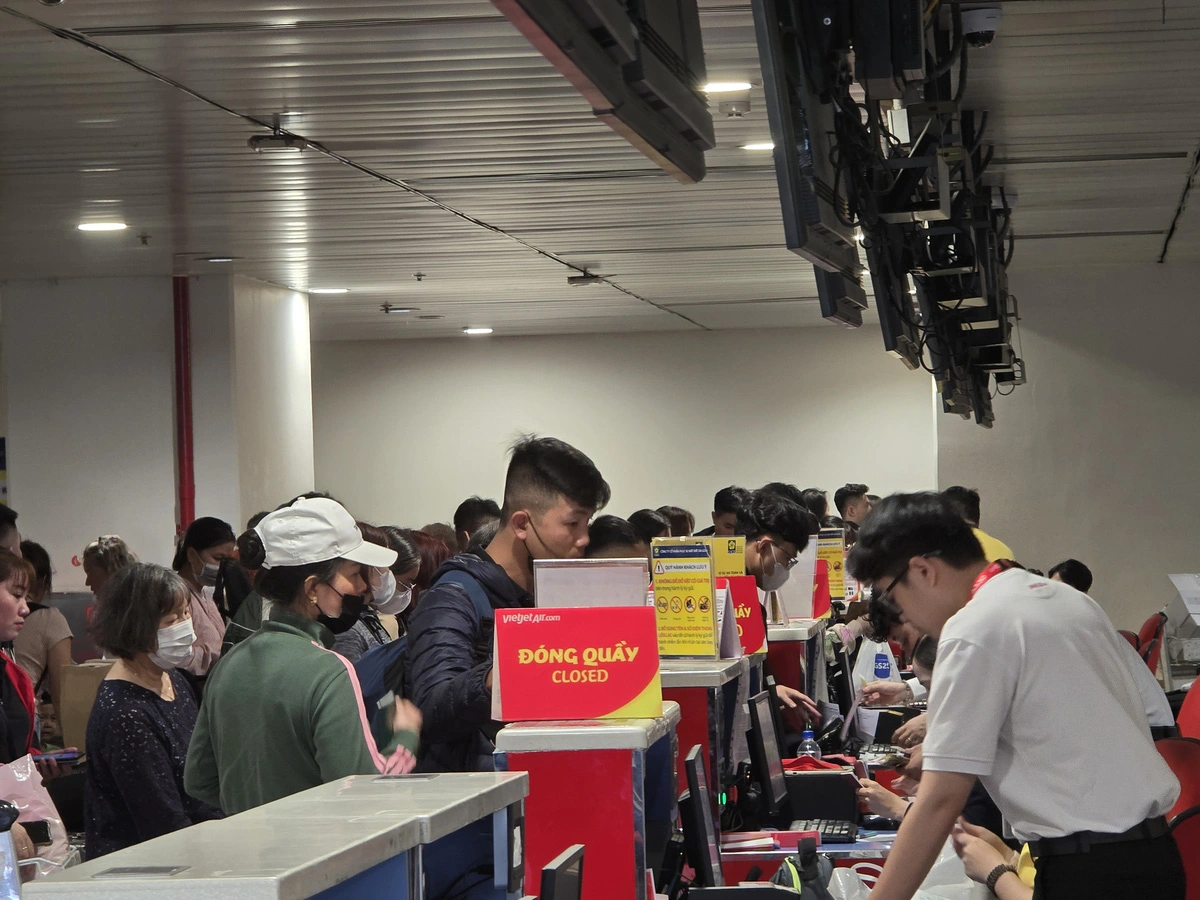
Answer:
(709, 693)
(360, 837)
(794, 653)
(608, 784)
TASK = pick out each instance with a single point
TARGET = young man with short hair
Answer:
(472, 514)
(777, 531)
(1031, 695)
(611, 537)
(1074, 573)
(965, 502)
(852, 503)
(726, 504)
(551, 492)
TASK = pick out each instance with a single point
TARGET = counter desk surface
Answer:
(295, 847)
(708, 673)
(588, 734)
(795, 630)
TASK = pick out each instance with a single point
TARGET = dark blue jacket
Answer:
(448, 658)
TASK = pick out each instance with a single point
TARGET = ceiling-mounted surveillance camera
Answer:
(979, 25)
(51, 2)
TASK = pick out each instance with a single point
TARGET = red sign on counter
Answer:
(576, 663)
(743, 590)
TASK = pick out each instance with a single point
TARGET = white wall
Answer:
(1096, 457)
(405, 430)
(90, 385)
(273, 394)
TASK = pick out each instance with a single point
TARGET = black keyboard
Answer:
(832, 831)
(881, 750)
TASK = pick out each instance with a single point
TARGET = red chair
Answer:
(1150, 654)
(1182, 754)
(1188, 719)
(1152, 628)
(1186, 830)
(1129, 636)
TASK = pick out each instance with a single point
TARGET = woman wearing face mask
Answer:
(283, 713)
(417, 557)
(206, 543)
(389, 593)
(142, 720)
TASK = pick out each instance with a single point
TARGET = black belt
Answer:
(1082, 841)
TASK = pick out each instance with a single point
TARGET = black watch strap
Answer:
(996, 874)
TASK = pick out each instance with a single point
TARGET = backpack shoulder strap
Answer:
(479, 597)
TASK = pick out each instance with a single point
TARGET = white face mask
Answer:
(174, 645)
(779, 577)
(387, 596)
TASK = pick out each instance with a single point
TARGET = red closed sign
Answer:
(576, 663)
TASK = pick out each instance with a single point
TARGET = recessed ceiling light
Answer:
(430, 318)
(759, 145)
(102, 226)
(726, 87)
(477, 331)
(220, 259)
(90, 170)
(329, 291)
(277, 143)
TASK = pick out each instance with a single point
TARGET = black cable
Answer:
(956, 49)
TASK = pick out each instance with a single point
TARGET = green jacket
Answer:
(283, 713)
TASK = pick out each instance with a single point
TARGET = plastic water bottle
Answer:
(809, 746)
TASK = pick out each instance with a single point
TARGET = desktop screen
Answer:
(767, 754)
(703, 826)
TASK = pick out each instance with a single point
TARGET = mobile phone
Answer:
(39, 832)
(61, 755)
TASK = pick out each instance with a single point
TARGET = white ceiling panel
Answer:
(1091, 105)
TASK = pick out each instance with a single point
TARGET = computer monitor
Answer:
(843, 680)
(700, 840)
(764, 753)
(562, 879)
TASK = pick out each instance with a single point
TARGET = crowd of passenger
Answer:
(233, 680)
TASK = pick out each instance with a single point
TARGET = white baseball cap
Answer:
(315, 530)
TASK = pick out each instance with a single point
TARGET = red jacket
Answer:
(24, 688)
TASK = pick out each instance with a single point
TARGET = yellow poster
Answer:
(684, 592)
(729, 556)
(831, 547)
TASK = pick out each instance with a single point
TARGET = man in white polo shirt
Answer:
(1031, 695)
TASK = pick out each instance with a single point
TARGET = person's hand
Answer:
(979, 857)
(52, 768)
(23, 842)
(911, 732)
(990, 836)
(911, 768)
(906, 786)
(884, 693)
(880, 800)
(487, 682)
(406, 717)
(798, 704)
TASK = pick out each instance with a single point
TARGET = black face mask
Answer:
(352, 607)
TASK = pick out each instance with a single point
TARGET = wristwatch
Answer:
(996, 874)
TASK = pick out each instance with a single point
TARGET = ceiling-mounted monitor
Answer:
(639, 63)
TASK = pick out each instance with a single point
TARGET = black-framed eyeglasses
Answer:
(887, 591)
(788, 563)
